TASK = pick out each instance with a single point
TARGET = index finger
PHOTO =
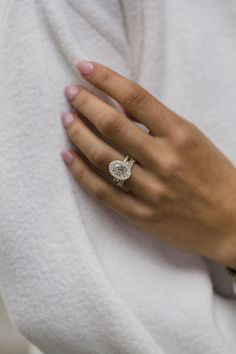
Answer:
(139, 102)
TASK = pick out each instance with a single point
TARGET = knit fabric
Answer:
(75, 276)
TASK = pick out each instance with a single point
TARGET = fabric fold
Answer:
(75, 276)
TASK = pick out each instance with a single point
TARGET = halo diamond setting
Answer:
(120, 170)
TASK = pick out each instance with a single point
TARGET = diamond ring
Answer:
(121, 170)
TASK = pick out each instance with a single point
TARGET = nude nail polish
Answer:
(71, 92)
(67, 157)
(85, 67)
(67, 118)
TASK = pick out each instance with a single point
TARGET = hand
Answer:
(182, 188)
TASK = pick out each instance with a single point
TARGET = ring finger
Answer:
(100, 154)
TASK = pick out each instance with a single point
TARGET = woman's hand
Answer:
(182, 188)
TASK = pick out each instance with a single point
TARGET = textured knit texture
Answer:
(76, 277)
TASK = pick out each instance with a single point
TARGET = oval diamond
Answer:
(119, 169)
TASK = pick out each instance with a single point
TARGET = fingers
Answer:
(139, 102)
(100, 154)
(113, 125)
(127, 113)
(123, 203)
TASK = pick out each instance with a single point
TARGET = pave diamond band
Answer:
(121, 170)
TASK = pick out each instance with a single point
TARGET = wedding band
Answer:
(121, 170)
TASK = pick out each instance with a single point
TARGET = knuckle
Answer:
(150, 215)
(134, 213)
(136, 96)
(112, 126)
(159, 194)
(185, 135)
(169, 166)
(150, 149)
(99, 159)
(142, 215)
(101, 194)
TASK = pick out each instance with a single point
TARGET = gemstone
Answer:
(119, 169)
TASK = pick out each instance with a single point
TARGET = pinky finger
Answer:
(111, 196)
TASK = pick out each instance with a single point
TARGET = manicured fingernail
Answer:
(71, 92)
(67, 157)
(67, 118)
(85, 67)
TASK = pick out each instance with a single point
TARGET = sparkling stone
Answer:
(119, 169)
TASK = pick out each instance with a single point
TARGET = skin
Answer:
(182, 188)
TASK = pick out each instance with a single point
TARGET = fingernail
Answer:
(85, 67)
(67, 118)
(71, 92)
(67, 157)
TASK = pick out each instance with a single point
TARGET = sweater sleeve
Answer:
(39, 249)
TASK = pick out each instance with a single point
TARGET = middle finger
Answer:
(114, 125)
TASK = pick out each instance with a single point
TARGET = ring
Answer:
(121, 170)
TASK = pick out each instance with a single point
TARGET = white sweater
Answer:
(76, 277)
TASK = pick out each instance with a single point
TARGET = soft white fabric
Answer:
(75, 276)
